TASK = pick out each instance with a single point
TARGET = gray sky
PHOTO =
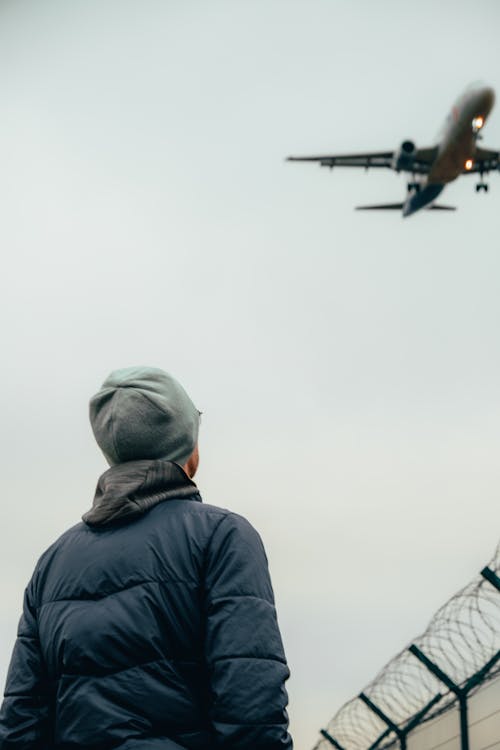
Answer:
(347, 365)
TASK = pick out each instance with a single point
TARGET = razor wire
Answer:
(462, 639)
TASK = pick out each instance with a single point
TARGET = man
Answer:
(151, 625)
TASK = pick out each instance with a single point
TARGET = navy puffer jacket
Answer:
(149, 626)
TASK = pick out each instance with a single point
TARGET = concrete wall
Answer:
(443, 732)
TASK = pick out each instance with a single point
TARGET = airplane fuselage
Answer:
(456, 148)
(458, 143)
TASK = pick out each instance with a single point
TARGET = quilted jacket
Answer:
(149, 626)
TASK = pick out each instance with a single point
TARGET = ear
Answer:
(191, 465)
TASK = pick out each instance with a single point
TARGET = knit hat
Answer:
(144, 413)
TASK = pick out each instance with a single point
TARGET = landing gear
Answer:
(482, 185)
(413, 187)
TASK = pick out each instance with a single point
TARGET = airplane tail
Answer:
(399, 207)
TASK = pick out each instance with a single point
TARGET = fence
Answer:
(443, 691)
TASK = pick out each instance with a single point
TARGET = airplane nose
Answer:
(487, 99)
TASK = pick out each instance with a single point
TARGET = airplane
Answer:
(456, 153)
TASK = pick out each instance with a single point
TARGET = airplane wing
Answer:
(399, 206)
(421, 163)
(485, 160)
(424, 157)
(372, 159)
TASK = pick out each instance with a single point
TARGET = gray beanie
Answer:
(144, 413)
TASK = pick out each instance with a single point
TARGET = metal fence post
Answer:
(459, 692)
(401, 735)
(491, 576)
(331, 739)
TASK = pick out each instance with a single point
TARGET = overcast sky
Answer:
(347, 365)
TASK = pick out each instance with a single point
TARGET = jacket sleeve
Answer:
(24, 715)
(243, 649)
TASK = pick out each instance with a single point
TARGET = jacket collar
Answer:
(128, 490)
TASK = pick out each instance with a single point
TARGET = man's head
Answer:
(144, 413)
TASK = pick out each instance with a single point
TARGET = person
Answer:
(151, 624)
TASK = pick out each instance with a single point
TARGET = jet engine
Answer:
(404, 157)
